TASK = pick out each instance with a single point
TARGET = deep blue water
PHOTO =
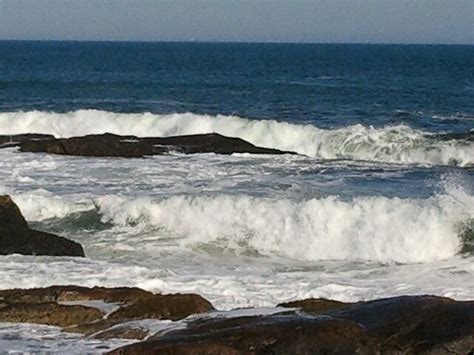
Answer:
(425, 87)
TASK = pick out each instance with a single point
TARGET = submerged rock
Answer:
(17, 238)
(111, 145)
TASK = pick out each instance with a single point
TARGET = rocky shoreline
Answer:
(399, 325)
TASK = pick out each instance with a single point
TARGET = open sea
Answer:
(379, 202)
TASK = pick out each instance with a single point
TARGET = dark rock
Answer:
(17, 139)
(412, 324)
(48, 313)
(172, 307)
(126, 331)
(10, 214)
(210, 143)
(315, 305)
(275, 334)
(46, 304)
(399, 325)
(111, 145)
(16, 237)
(103, 145)
(416, 323)
(74, 293)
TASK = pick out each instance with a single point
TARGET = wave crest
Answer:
(391, 144)
(366, 228)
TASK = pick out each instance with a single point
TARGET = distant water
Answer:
(379, 202)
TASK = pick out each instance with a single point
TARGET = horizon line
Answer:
(237, 42)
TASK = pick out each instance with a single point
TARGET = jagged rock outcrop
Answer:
(17, 238)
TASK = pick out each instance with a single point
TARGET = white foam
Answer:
(41, 204)
(26, 338)
(365, 228)
(393, 144)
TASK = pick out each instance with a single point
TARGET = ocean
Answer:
(379, 200)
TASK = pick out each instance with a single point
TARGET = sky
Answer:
(320, 21)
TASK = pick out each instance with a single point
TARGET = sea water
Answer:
(378, 202)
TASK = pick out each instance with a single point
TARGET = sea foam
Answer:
(392, 144)
(365, 228)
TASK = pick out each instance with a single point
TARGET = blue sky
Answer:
(339, 21)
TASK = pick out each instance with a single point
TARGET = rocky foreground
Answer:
(400, 325)
(17, 238)
(111, 145)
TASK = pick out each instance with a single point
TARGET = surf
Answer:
(398, 144)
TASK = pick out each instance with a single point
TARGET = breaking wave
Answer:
(392, 144)
(365, 228)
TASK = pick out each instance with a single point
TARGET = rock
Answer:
(315, 305)
(102, 145)
(74, 293)
(413, 324)
(16, 140)
(125, 332)
(49, 313)
(172, 307)
(399, 325)
(416, 324)
(50, 306)
(274, 334)
(17, 237)
(10, 214)
(111, 145)
(210, 143)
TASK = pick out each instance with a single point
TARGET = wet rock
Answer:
(172, 307)
(315, 305)
(111, 145)
(416, 324)
(102, 145)
(399, 325)
(274, 334)
(210, 143)
(50, 306)
(17, 237)
(412, 324)
(126, 331)
(48, 313)
(74, 293)
(15, 140)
